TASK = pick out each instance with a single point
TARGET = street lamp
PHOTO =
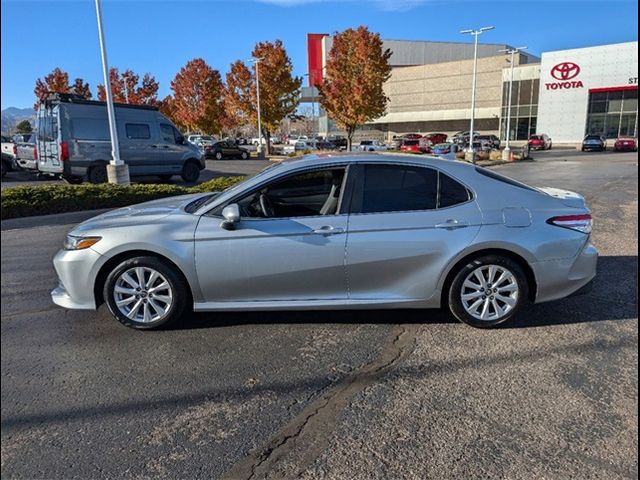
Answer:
(506, 154)
(475, 34)
(117, 170)
(256, 61)
(311, 76)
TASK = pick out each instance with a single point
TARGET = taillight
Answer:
(15, 150)
(35, 153)
(580, 223)
(64, 151)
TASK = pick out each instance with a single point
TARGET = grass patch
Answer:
(30, 200)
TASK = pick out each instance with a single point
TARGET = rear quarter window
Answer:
(451, 192)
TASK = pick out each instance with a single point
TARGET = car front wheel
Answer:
(488, 291)
(145, 293)
(190, 172)
(244, 155)
(218, 155)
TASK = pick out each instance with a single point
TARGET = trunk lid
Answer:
(567, 197)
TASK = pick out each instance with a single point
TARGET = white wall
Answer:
(562, 113)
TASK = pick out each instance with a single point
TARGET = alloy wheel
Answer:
(489, 292)
(143, 294)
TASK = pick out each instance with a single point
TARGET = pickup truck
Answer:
(370, 146)
(8, 155)
(26, 151)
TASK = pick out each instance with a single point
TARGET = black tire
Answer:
(97, 174)
(218, 156)
(3, 169)
(178, 285)
(71, 180)
(190, 172)
(165, 178)
(455, 290)
(550, 145)
(244, 155)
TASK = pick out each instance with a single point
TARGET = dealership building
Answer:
(565, 94)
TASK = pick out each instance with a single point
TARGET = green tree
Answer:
(24, 127)
(357, 68)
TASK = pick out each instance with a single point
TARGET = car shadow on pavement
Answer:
(613, 297)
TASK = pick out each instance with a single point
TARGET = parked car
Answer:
(435, 138)
(339, 141)
(7, 164)
(73, 141)
(444, 148)
(411, 146)
(448, 233)
(540, 141)
(371, 146)
(463, 137)
(493, 140)
(8, 147)
(293, 139)
(396, 142)
(27, 153)
(201, 140)
(626, 144)
(412, 136)
(594, 143)
(325, 145)
(223, 150)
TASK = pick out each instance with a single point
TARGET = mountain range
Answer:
(11, 116)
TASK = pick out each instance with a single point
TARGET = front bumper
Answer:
(560, 278)
(77, 271)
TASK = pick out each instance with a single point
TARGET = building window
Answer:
(613, 114)
(524, 109)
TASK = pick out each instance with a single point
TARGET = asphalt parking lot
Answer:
(355, 394)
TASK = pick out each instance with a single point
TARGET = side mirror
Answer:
(231, 214)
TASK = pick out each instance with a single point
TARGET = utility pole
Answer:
(475, 34)
(506, 153)
(117, 170)
(314, 131)
(256, 61)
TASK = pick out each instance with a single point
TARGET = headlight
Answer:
(79, 243)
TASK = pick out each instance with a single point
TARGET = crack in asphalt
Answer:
(305, 437)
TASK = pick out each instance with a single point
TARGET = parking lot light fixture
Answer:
(475, 34)
(117, 170)
(256, 61)
(510, 51)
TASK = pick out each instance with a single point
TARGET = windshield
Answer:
(411, 142)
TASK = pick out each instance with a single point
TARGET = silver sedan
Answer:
(335, 232)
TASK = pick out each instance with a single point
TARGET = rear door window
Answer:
(398, 188)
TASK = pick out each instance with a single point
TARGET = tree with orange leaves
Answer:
(279, 89)
(198, 97)
(80, 88)
(126, 88)
(357, 68)
(57, 81)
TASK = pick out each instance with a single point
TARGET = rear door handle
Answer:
(328, 230)
(452, 224)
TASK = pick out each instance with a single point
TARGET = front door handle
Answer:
(452, 224)
(328, 230)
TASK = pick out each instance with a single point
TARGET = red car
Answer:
(411, 146)
(626, 144)
(540, 142)
(436, 138)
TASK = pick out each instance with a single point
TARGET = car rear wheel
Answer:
(488, 291)
(244, 155)
(97, 174)
(190, 172)
(145, 293)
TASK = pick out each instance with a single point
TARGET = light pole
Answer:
(256, 61)
(475, 34)
(311, 76)
(117, 170)
(506, 154)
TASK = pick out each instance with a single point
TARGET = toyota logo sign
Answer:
(565, 71)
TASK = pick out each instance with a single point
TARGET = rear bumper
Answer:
(27, 164)
(560, 278)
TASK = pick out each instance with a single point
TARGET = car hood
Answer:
(142, 213)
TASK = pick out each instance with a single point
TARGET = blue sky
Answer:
(160, 36)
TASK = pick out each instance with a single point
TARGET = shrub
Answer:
(29, 200)
(495, 155)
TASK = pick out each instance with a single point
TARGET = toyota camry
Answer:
(335, 232)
